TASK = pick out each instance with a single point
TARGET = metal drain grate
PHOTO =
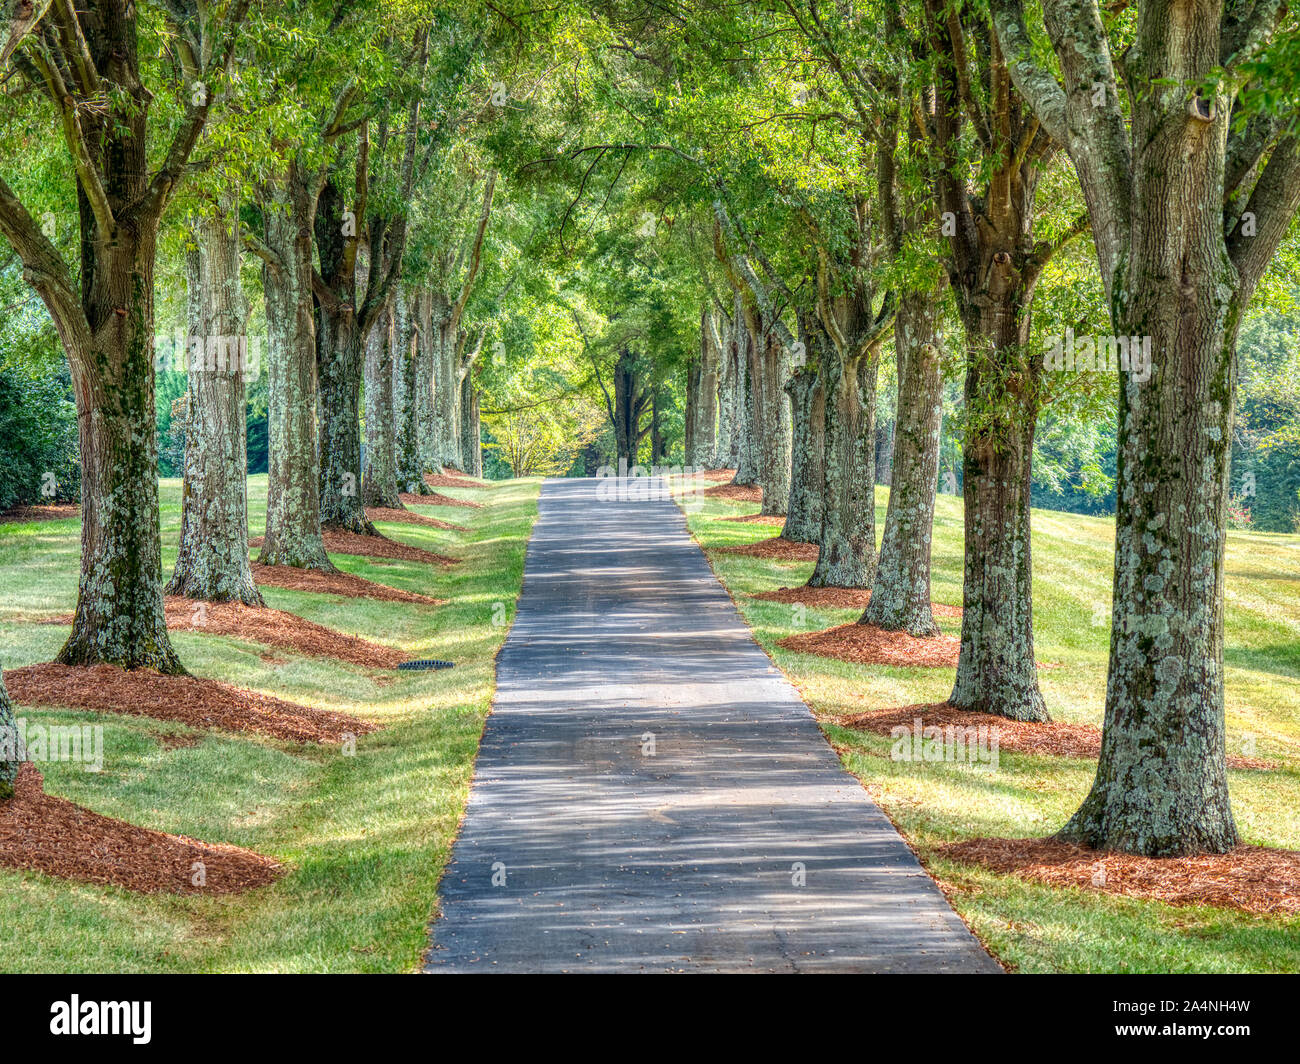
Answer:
(425, 663)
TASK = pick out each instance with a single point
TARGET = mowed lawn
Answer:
(1029, 927)
(364, 837)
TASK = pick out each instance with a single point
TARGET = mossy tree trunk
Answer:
(900, 594)
(90, 69)
(803, 521)
(994, 265)
(293, 526)
(212, 559)
(10, 754)
(471, 444)
(769, 363)
(1188, 207)
(340, 357)
(406, 390)
(428, 312)
(379, 483)
(846, 337)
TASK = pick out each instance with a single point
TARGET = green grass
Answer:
(1031, 927)
(364, 838)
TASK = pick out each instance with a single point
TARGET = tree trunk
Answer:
(1161, 787)
(900, 595)
(10, 755)
(692, 409)
(847, 557)
(406, 386)
(702, 396)
(446, 387)
(996, 672)
(293, 528)
(803, 522)
(212, 560)
(379, 483)
(769, 369)
(885, 450)
(340, 358)
(428, 340)
(629, 402)
(729, 398)
(119, 615)
(745, 457)
(471, 449)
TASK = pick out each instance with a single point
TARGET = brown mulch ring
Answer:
(276, 628)
(453, 479)
(406, 517)
(718, 474)
(1055, 738)
(192, 700)
(865, 644)
(758, 519)
(436, 499)
(337, 542)
(778, 548)
(735, 492)
(841, 598)
(55, 511)
(345, 584)
(1250, 879)
(43, 833)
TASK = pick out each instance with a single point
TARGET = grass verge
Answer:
(1030, 927)
(365, 836)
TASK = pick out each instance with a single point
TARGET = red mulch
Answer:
(865, 644)
(841, 598)
(406, 517)
(436, 499)
(55, 511)
(777, 548)
(52, 835)
(718, 474)
(276, 628)
(735, 492)
(758, 519)
(337, 542)
(453, 479)
(1251, 879)
(344, 584)
(1055, 738)
(192, 700)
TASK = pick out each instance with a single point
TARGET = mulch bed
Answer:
(758, 519)
(1055, 738)
(345, 584)
(840, 598)
(192, 700)
(52, 835)
(55, 511)
(718, 474)
(452, 479)
(406, 517)
(1250, 879)
(735, 492)
(276, 628)
(436, 499)
(865, 644)
(778, 548)
(337, 542)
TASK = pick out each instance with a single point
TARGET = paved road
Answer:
(586, 848)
